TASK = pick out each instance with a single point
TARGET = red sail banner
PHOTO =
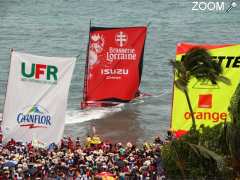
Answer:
(114, 63)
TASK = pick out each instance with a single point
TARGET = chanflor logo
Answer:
(39, 73)
(34, 117)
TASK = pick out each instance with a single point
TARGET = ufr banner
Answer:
(36, 98)
(114, 63)
(210, 101)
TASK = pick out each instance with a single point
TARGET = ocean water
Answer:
(60, 28)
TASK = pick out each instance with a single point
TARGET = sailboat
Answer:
(114, 65)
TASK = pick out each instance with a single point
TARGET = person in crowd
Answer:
(170, 135)
(1, 135)
(70, 160)
(158, 140)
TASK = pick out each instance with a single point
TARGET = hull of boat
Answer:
(98, 104)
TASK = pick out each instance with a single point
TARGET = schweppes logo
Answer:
(39, 73)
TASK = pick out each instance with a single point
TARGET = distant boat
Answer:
(113, 65)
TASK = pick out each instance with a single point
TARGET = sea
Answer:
(60, 28)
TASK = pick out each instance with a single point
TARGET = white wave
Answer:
(137, 101)
(142, 98)
(79, 116)
(164, 92)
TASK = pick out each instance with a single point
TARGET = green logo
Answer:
(39, 73)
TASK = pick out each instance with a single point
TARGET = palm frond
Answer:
(233, 141)
(224, 79)
(181, 84)
(205, 153)
(178, 66)
(194, 57)
(199, 63)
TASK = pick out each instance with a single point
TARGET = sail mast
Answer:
(86, 67)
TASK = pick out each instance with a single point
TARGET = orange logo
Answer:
(205, 101)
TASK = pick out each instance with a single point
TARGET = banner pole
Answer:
(172, 98)
(3, 114)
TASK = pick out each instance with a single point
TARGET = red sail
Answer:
(114, 64)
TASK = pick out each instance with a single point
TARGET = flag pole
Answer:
(11, 51)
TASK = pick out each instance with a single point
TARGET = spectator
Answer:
(76, 162)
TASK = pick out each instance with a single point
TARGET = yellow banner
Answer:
(210, 102)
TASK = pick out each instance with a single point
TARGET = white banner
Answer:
(36, 98)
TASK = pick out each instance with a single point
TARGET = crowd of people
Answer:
(74, 160)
